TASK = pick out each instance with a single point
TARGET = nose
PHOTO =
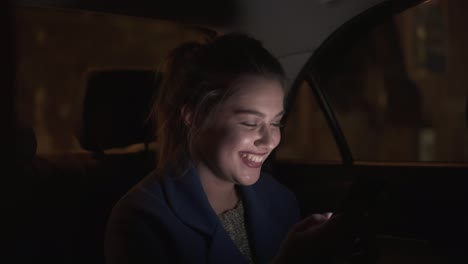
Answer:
(267, 139)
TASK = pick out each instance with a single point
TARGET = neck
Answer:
(221, 193)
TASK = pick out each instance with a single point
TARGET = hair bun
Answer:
(185, 54)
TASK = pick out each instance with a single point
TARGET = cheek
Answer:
(238, 138)
(276, 137)
(232, 138)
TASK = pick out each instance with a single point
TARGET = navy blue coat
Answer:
(171, 221)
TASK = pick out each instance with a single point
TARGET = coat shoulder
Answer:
(271, 188)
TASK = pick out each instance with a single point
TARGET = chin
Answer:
(248, 179)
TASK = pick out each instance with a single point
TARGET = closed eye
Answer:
(249, 124)
(280, 125)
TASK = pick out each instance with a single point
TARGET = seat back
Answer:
(115, 114)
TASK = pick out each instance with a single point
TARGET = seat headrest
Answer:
(116, 108)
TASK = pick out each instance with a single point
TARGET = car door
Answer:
(378, 116)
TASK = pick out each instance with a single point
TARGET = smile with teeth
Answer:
(253, 158)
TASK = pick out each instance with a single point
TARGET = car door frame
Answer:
(412, 188)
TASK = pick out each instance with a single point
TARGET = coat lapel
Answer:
(189, 202)
(223, 250)
(261, 231)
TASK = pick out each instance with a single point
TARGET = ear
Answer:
(187, 115)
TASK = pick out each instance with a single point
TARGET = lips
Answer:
(253, 160)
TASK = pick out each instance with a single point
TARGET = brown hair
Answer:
(199, 77)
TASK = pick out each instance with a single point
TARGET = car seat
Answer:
(115, 114)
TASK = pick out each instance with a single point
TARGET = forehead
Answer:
(256, 92)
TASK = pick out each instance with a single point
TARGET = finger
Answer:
(311, 221)
(328, 215)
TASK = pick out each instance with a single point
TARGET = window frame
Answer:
(338, 40)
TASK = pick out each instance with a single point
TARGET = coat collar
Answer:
(259, 225)
(189, 202)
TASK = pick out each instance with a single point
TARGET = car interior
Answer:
(376, 115)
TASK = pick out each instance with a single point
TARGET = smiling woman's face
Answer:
(242, 133)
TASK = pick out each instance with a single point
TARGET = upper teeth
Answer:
(254, 158)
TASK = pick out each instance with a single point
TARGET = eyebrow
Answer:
(254, 112)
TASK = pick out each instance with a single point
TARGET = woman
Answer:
(219, 117)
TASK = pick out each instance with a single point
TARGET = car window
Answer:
(306, 136)
(399, 91)
(59, 49)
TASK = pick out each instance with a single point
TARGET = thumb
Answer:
(312, 220)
